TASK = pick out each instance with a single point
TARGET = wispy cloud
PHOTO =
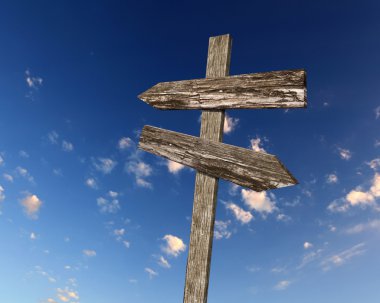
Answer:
(310, 257)
(307, 245)
(174, 167)
(8, 177)
(343, 257)
(174, 246)
(1, 160)
(89, 252)
(67, 146)
(124, 143)
(377, 112)
(108, 206)
(23, 154)
(23, 172)
(141, 170)
(91, 182)
(32, 205)
(362, 227)
(104, 165)
(261, 202)
(239, 213)
(332, 178)
(221, 229)
(32, 81)
(282, 285)
(53, 137)
(40, 271)
(2, 196)
(344, 154)
(163, 262)
(229, 124)
(151, 272)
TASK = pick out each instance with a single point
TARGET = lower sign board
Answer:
(255, 170)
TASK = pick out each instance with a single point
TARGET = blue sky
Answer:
(87, 217)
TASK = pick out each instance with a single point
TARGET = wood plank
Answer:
(206, 187)
(255, 170)
(279, 89)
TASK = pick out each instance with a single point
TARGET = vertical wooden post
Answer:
(206, 187)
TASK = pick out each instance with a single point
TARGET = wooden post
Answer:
(206, 187)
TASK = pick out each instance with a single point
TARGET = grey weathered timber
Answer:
(206, 187)
(279, 89)
(255, 170)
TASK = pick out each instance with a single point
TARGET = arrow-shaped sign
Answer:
(280, 89)
(256, 170)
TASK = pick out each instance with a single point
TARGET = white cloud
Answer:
(91, 182)
(151, 272)
(174, 167)
(1, 160)
(67, 295)
(163, 262)
(33, 236)
(104, 165)
(240, 214)
(89, 252)
(371, 225)
(338, 206)
(32, 82)
(8, 177)
(343, 257)
(32, 205)
(2, 196)
(53, 137)
(332, 178)
(127, 244)
(23, 172)
(23, 154)
(113, 194)
(143, 183)
(229, 124)
(377, 112)
(374, 164)
(106, 206)
(344, 154)
(309, 258)
(221, 230)
(119, 232)
(358, 197)
(377, 143)
(256, 145)
(307, 245)
(124, 143)
(283, 218)
(233, 189)
(259, 201)
(141, 170)
(67, 146)
(282, 285)
(174, 246)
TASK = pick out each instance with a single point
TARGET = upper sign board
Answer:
(279, 89)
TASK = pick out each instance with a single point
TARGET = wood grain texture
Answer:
(255, 170)
(280, 89)
(206, 187)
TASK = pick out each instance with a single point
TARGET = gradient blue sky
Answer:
(86, 217)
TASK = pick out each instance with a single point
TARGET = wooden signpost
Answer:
(211, 158)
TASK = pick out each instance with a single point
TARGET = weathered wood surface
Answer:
(256, 170)
(279, 89)
(206, 187)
